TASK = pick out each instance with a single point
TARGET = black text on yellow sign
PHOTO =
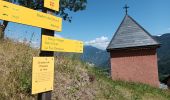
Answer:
(42, 74)
(50, 43)
(52, 4)
(23, 15)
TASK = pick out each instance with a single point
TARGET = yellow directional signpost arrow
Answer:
(61, 45)
(52, 4)
(23, 15)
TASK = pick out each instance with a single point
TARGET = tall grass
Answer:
(15, 69)
(74, 80)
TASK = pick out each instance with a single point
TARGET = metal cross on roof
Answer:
(126, 8)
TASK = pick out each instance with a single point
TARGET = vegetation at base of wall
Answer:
(130, 90)
(74, 80)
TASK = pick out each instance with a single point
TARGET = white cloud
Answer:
(159, 35)
(169, 28)
(23, 41)
(100, 42)
(35, 44)
(57, 35)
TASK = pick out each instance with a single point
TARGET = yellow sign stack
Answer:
(43, 67)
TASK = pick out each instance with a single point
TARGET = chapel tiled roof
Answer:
(130, 34)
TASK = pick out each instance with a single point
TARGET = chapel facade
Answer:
(133, 54)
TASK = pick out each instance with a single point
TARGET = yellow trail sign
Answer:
(42, 74)
(52, 4)
(50, 43)
(23, 15)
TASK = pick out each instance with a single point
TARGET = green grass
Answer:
(74, 80)
(130, 90)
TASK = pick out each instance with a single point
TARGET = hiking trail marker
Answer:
(43, 66)
(14, 13)
(52, 4)
(50, 43)
(42, 74)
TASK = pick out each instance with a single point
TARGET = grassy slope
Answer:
(73, 79)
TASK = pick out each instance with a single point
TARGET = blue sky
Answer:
(97, 24)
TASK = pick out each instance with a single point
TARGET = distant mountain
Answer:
(164, 54)
(101, 57)
(96, 56)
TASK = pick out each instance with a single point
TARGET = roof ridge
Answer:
(125, 36)
(117, 31)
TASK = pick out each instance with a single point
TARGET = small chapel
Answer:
(133, 53)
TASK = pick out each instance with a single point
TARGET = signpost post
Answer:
(46, 95)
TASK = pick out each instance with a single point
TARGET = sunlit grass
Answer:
(74, 80)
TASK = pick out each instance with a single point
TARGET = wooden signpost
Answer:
(46, 95)
(43, 66)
